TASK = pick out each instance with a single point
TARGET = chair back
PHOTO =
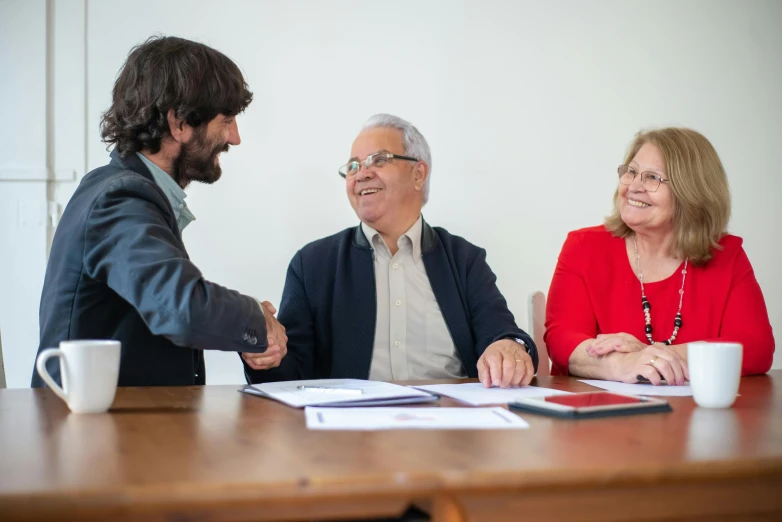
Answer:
(2, 366)
(537, 326)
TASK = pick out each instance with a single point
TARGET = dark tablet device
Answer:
(591, 404)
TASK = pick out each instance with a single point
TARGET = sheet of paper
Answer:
(641, 389)
(336, 391)
(475, 394)
(412, 418)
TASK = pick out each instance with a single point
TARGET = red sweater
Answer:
(595, 290)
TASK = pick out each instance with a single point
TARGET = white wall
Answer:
(42, 152)
(22, 198)
(528, 107)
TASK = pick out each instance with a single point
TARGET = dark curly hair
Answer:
(165, 73)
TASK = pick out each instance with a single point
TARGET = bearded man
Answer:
(118, 268)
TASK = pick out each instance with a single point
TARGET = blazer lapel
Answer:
(132, 162)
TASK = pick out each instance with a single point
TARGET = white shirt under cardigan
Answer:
(412, 340)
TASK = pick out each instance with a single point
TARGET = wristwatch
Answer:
(521, 342)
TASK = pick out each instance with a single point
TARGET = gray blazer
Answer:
(118, 270)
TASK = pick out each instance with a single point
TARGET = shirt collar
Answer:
(174, 193)
(413, 234)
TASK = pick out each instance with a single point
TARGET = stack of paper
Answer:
(339, 392)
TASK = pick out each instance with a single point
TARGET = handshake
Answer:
(278, 342)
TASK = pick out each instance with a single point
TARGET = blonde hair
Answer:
(701, 197)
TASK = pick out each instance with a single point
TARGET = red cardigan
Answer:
(595, 290)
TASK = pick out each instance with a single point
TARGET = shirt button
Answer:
(396, 265)
(397, 343)
(181, 205)
(398, 302)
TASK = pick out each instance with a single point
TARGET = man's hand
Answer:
(505, 363)
(278, 342)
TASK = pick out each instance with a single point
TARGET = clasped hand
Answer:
(278, 342)
(634, 358)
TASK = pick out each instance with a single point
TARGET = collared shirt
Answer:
(412, 340)
(176, 196)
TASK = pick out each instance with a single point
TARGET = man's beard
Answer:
(196, 161)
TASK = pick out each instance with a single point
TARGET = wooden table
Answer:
(210, 453)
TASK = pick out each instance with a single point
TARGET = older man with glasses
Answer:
(394, 298)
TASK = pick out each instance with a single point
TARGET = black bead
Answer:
(677, 322)
(649, 329)
(647, 306)
(667, 343)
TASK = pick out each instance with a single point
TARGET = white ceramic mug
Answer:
(715, 372)
(89, 371)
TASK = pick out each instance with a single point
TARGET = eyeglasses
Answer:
(378, 160)
(649, 180)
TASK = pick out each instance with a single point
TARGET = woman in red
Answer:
(628, 296)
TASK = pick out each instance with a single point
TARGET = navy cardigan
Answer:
(329, 305)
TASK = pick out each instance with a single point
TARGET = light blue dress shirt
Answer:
(176, 196)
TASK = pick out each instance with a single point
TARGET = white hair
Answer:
(413, 141)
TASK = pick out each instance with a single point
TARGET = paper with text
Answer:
(412, 418)
(475, 394)
(663, 390)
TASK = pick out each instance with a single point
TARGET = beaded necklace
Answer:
(677, 322)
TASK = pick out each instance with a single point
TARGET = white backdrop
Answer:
(528, 108)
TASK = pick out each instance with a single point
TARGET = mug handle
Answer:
(40, 365)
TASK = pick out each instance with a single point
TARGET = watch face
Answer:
(521, 342)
